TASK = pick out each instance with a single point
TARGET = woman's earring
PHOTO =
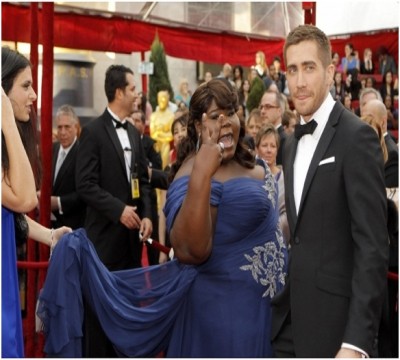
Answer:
(198, 143)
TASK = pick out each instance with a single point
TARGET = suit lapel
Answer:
(65, 165)
(289, 176)
(112, 133)
(56, 148)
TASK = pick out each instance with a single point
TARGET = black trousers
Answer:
(283, 343)
(95, 341)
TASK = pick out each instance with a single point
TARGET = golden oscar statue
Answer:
(160, 126)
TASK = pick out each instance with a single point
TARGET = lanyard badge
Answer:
(135, 186)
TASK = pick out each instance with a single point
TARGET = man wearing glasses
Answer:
(272, 106)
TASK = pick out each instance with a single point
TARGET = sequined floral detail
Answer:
(268, 265)
(270, 185)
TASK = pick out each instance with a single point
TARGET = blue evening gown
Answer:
(12, 341)
(218, 309)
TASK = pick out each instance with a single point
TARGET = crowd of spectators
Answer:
(267, 126)
(353, 73)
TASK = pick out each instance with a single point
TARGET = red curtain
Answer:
(120, 35)
(126, 36)
(309, 8)
(388, 38)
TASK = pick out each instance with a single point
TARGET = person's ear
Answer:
(330, 74)
(119, 93)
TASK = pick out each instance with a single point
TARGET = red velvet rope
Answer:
(156, 245)
(32, 265)
(117, 34)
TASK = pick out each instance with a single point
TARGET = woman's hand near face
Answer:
(210, 153)
(193, 229)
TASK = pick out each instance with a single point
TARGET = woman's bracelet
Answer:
(51, 242)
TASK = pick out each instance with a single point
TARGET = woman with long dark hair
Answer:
(20, 179)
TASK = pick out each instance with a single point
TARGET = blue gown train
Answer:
(218, 309)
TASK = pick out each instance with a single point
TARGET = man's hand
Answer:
(348, 353)
(163, 258)
(129, 218)
(146, 228)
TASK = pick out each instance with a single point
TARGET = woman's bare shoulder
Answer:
(258, 172)
(186, 168)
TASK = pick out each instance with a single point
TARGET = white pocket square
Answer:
(327, 161)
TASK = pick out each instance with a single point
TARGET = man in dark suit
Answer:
(336, 208)
(389, 326)
(271, 108)
(377, 110)
(138, 119)
(386, 61)
(67, 207)
(112, 179)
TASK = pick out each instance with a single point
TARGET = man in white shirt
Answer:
(336, 208)
(66, 206)
(272, 106)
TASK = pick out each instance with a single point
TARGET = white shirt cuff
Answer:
(59, 206)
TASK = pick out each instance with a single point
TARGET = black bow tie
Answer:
(119, 124)
(300, 130)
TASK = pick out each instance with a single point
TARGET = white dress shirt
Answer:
(306, 147)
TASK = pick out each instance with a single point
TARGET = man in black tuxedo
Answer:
(336, 208)
(271, 108)
(153, 162)
(67, 207)
(112, 179)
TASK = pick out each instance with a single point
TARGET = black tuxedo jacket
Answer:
(64, 186)
(103, 184)
(339, 242)
(152, 155)
(159, 178)
(392, 163)
(282, 139)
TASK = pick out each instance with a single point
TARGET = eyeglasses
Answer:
(267, 107)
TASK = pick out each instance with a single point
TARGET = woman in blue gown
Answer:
(213, 300)
(18, 191)
(17, 194)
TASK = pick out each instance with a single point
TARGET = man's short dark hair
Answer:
(115, 79)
